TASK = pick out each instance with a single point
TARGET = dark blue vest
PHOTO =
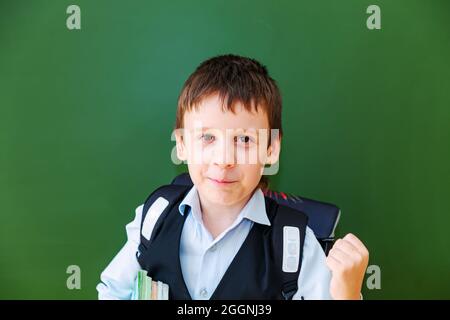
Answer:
(256, 270)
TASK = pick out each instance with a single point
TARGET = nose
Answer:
(224, 154)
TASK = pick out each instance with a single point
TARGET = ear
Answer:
(180, 142)
(273, 152)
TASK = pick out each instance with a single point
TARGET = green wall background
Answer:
(86, 118)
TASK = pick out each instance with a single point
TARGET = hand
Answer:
(347, 261)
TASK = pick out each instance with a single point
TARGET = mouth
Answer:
(221, 182)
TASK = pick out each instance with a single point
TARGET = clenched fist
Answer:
(347, 261)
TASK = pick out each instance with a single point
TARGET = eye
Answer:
(246, 140)
(206, 137)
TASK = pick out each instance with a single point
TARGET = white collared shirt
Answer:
(204, 260)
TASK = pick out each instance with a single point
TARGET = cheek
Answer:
(252, 173)
(256, 155)
(195, 171)
(198, 154)
(199, 174)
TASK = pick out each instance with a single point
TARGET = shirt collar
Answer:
(191, 201)
(254, 210)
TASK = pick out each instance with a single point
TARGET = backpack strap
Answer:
(289, 236)
(157, 205)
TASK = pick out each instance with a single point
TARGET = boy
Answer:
(220, 239)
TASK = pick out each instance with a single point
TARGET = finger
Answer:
(355, 256)
(357, 243)
(347, 247)
(333, 263)
(340, 255)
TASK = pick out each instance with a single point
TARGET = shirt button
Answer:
(203, 292)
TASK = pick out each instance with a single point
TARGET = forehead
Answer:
(211, 113)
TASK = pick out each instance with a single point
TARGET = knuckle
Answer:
(349, 235)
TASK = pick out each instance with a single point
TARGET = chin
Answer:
(220, 196)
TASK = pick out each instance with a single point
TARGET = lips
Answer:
(222, 181)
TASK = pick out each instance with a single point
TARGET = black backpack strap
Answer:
(288, 217)
(173, 194)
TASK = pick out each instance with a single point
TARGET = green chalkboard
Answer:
(86, 117)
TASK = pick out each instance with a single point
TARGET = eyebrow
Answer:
(245, 130)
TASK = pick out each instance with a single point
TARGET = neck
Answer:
(217, 218)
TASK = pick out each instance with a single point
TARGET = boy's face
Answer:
(225, 151)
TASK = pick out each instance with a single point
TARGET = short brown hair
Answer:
(235, 79)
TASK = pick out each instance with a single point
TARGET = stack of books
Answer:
(147, 289)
